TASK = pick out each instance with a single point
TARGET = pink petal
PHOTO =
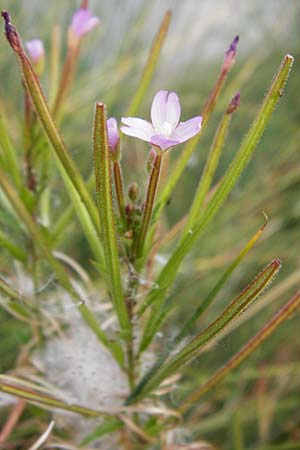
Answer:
(137, 127)
(163, 142)
(159, 108)
(173, 109)
(35, 49)
(112, 133)
(187, 130)
(83, 22)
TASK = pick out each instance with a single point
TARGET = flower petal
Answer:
(112, 134)
(187, 130)
(173, 109)
(83, 22)
(35, 49)
(137, 127)
(159, 108)
(163, 142)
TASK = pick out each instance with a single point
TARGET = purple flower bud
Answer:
(230, 54)
(234, 104)
(11, 33)
(83, 22)
(36, 50)
(113, 136)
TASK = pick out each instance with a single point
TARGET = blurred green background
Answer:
(259, 404)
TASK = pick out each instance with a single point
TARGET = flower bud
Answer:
(230, 55)
(133, 191)
(37, 54)
(82, 23)
(113, 138)
(234, 104)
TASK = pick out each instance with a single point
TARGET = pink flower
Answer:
(165, 131)
(83, 22)
(36, 50)
(113, 135)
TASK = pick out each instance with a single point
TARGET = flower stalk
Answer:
(118, 179)
(149, 204)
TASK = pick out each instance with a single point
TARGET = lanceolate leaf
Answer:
(245, 351)
(167, 276)
(176, 361)
(103, 180)
(212, 294)
(211, 164)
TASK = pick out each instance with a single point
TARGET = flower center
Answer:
(165, 129)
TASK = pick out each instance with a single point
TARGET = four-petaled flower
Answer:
(113, 135)
(83, 22)
(36, 50)
(165, 131)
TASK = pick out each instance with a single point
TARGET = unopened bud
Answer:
(37, 54)
(11, 33)
(113, 138)
(230, 55)
(82, 23)
(234, 104)
(133, 192)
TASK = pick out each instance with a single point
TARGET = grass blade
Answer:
(103, 180)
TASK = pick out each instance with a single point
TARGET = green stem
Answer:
(150, 199)
(118, 178)
(66, 78)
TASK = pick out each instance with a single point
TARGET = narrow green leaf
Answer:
(45, 400)
(103, 180)
(15, 251)
(176, 361)
(9, 153)
(187, 327)
(107, 427)
(67, 165)
(150, 65)
(42, 243)
(167, 276)
(87, 225)
(210, 166)
(271, 326)
(19, 305)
